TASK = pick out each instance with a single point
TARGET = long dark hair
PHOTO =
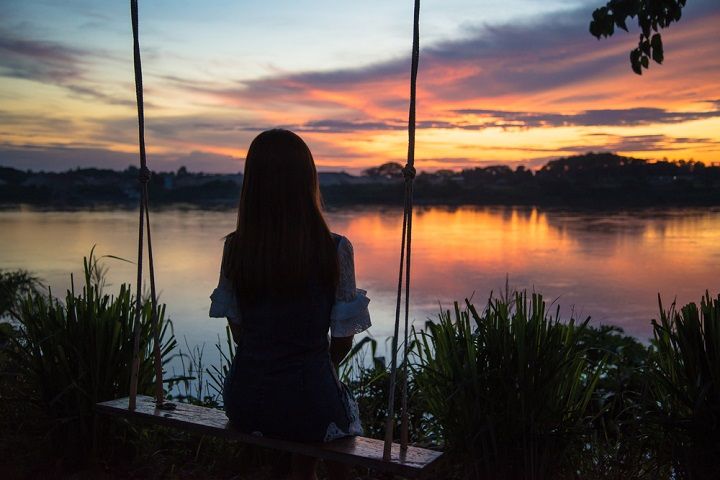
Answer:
(282, 244)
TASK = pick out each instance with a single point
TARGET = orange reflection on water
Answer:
(609, 265)
(445, 241)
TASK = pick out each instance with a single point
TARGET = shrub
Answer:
(13, 286)
(368, 378)
(78, 353)
(621, 444)
(508, 389)
(686, 380)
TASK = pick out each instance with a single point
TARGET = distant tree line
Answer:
(588, 180)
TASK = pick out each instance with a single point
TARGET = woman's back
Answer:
(287, 327)
(282, 383)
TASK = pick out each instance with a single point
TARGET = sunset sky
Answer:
(500, 82)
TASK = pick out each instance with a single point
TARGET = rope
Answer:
(143, 178)
(405, 250)
(409, 176)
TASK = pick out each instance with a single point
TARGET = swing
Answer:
(380, 455)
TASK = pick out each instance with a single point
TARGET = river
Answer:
(606, 265)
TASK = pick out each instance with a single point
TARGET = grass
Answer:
(78, 352)
(508, 391)
(685, 369)
(15, 285)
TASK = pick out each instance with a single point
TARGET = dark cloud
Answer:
(554, 51)
(39, 60)
(34, 124)
(549, 52)
(608, 142)
(98, 94)
(607, 117)
(180, 129)
(651, 143)
(53, 63)
(337, 126)
(61, 157)
(507, 120)
(334, 80)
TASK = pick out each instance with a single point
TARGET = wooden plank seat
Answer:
(356, 451)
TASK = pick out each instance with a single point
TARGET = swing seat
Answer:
(355, 451)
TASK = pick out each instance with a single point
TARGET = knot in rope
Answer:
(144, 175)
(408, 172)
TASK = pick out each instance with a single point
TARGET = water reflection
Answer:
(610, 266)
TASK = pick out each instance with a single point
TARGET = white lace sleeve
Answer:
(350, 313)
(223, 303)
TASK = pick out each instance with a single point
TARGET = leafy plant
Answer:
(621, 444)
(508, 389)
(13, 286)
(217, 373)
(686, 394)
(652, 16)
(79, 352)
(368, 378)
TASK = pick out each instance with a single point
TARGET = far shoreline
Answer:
(349, 206)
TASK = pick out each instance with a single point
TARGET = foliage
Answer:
(368, 378)
(79, 352)
(388, 170)
(510, 392)
(686, 385)
(621, 444)
(13, 286)
(508, 389)
(652, 16)
(198, 384)
(217, 373)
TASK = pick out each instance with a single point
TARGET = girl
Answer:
(285, 281)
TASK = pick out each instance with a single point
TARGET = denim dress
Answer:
(282, 383)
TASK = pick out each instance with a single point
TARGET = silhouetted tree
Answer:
(652, 16)
(386, 170)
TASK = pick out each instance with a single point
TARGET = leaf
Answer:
(651, 16)
(657, 48)
(620, 22)
(635, 61)
(644, 46)
(645, 61)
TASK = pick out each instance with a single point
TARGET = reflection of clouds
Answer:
(609, 266)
